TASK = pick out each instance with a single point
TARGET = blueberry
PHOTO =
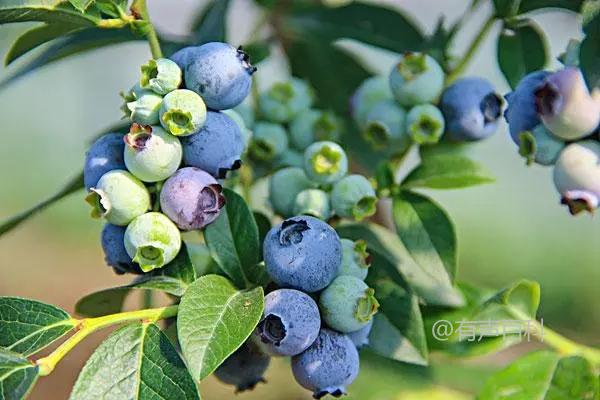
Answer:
(161, 76)
(290, 323)
(119, 197)
(565, 105)
(244, 368)
(328, 365)
(354, 197)
(142, 106)
(521, 114)
(313, 202)
(385, 127)
(314, 125)
(106, 154)
(325, 162)
(416, 79)
(471, 109)
(152, 241)
(182, 112)
(284, 186)
(216, 148)
(577, 176)
(290, 158)
(191, 198)
(360, 337)
(151, 154)
(269, 141)
(540, 146)
(425, 124)
(220, 73)
(348, 304)
(114, 250)
(284, 100)
(370, 92)
(302, 253)
(246, 111)
(355, 259)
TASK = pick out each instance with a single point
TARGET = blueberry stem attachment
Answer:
(85, 327)
(140, 10)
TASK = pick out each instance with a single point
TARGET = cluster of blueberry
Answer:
(467, 110)
(307, 260)
(554, 119)
(161, 177)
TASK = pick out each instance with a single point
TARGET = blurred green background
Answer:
(512, 229)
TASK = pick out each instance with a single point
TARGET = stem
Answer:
(471, 50)
(89, 325)
(139, 8)
(564, 345)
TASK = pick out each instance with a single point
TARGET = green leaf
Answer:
(12, 222)
(589, 53)
(17, 375)
(214, 319)
(532, 5)
(428, 233)
(506, 8)
(81, 5)
(233, 242)
(258, 51)
(543, 375)
(210, 26)
(264, 225)
(447, 172)
(173, 278)
(518, 301)
(27, 326)
(522, 48)
(44, 11)
(434, 287)
(135, 362)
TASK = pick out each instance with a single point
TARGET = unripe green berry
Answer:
(325, 162)
(284, 100)
(355, 259)
(354, 197)
(182, 112)
(142, 106)
(385, 127)
(416, 79)
(161, 76)
(269, 141)
(313, 202)
(425, 124)
(284, 186)
(152, 241)
(240, 122)
(310, 126)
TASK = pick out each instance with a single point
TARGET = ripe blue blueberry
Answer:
(540, 146)
(191, 198)
(370, 92)
(416, 79)
(311, 125)
(328, 366)
(106, 154)
(152, 241)
(313, 202)
(184, 56)
(471, 109)
(118, 197)
(425, 124)
(354, 197)
(161, 76)
(325, 162)
(269, 141)
(284, 186)
(142, 106)
(290, 323)
(577, 176)
(182, 112)
(385, 127)
(348, 304)
(302, 253)
(220, 73)
(284, 100)
(115, 255)
(355, 259)
(216, 148)
(151, 154)
(521, 113)
(245, 368)
(360, 338)
(565, 105)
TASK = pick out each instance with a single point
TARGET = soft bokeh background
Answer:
(512, 229)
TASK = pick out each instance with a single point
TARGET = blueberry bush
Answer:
(320, 273)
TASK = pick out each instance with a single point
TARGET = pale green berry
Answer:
(161, 76)
(290, 158)
(313, 202)
(416, 79)
(355, 259)
(325, 162)
(347, 304)
(182, 112)
(310, 126)
(241, 123)
(118, 197)
(385, 127)
(151, 153)
(425, 124)
(269, 141)
(142, 106)
(284, 186)
(284, 100)
(152, 240)
(354, 197)
(370, 92)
